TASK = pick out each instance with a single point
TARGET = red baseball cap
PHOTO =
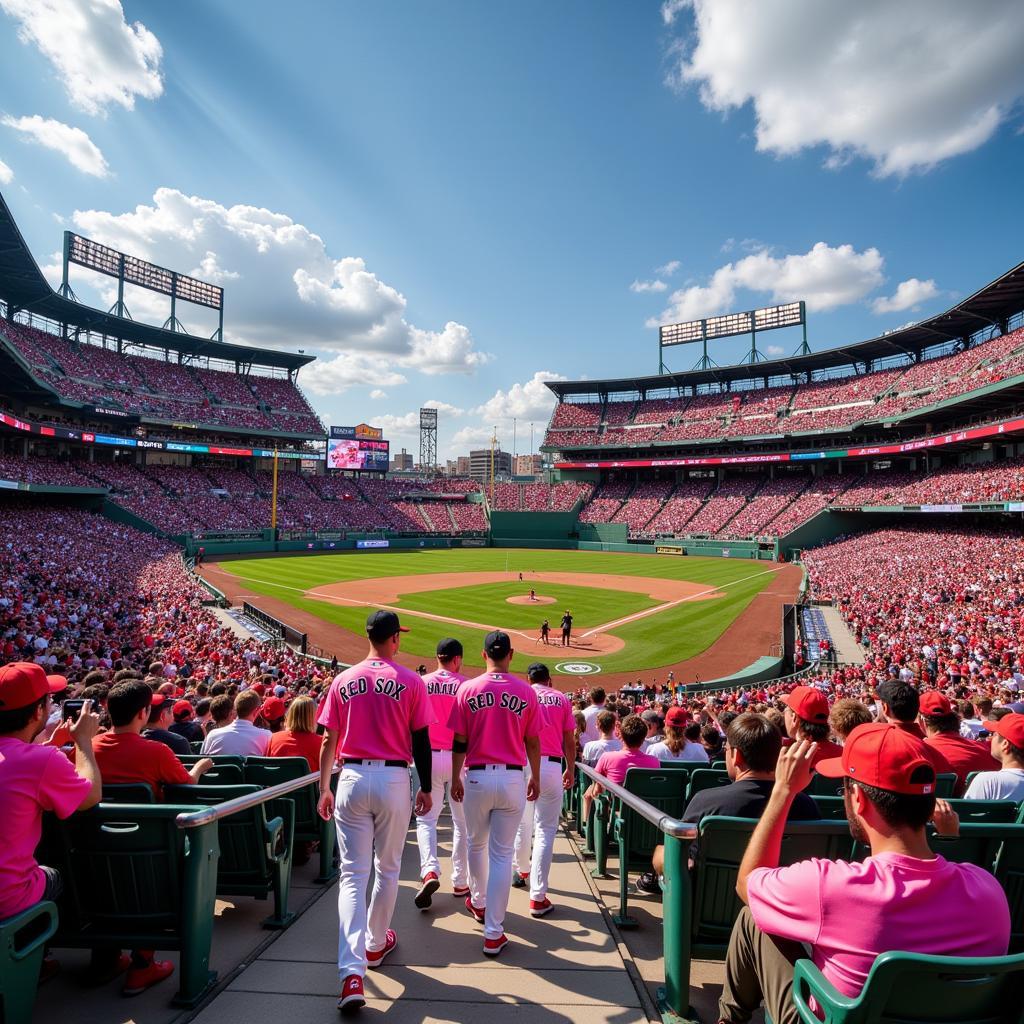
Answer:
(807, 703)
(1010, 727)
(182, 708)
(935, 703)
(883, 755)
(677, 717)
(24, 682)
(272, 709)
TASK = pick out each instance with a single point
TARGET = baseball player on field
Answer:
(540, 816)
(376, 718)
(442, 685)
(496, 721)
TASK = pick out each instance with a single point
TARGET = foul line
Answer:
(669, 604)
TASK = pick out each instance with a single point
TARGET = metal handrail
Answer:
(670, 826)
(193, 819)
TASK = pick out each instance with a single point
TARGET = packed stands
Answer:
(759, 511)
(159, 389)
(837, 403)
(732, 494)
(684, 504)
(642, 505)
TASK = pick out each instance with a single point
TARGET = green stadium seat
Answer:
(134, 880)
(255, 853)
(309, 826)
(23, 939)
(636, 836)
(909, 988)
(822, 786)
(705, 778)
(196, 745)
(223, 775)
(127, 793)
(721, 843)
(945, 784)
(188, 760)
(970, 811)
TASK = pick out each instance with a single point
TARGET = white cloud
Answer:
(648, 286)
(283, 288)
(905, 85)
(824, 276)
(72, 143)
(909, 294)
(447, 351)
(6, 174)
(530, 401)
(668, 269)
(377, 394)
(774, 350)
(99, 57)
(330, 376)
(477, 437)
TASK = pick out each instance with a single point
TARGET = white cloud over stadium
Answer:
(825, 277)
(904, 85)
(284, 290)
(72, 143)
(99, 58)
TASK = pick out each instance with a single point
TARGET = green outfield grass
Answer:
(651, 642)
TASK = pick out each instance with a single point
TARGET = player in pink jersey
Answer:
(377, 717)
(540, 817)
(497, 724)
(441, 687)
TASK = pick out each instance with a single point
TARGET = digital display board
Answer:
(358, 454)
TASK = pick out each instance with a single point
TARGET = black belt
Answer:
(481, 767)
(367, 760)
(439, 750)
(548, 757)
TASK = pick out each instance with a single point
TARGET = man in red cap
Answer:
(1007, 744)
(942, 729)
(36, 778)
(900, 897)
(807, 719)
(272, 711)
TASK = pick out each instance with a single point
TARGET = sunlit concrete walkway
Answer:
(563, 968)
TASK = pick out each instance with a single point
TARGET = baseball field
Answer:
(632, 615)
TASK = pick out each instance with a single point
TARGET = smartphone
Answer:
(72, 709)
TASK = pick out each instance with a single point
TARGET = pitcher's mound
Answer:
(526, 600)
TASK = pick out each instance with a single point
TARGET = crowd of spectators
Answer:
(833, 404)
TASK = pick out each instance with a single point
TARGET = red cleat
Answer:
(351, 997)
(141, 978)
(492, 947)
(460, 891)
(426, 891)
(538, 908)
(477, 912)
(376, 957)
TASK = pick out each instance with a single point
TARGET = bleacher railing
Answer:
(194, 819)
(674, 997)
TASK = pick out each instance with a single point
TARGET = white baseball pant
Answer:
(537, 829)
(426, 826)
(494, 802)
(371, 811)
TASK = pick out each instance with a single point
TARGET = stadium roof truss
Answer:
(24, 288)
(989, 308)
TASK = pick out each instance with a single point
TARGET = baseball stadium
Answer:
(716, 716)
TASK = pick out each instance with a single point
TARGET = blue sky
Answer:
(459, 196)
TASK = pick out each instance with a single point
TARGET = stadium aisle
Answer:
(561, 969)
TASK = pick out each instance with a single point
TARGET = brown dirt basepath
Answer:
(747, 638)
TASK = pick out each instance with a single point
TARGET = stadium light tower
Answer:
(428, 440)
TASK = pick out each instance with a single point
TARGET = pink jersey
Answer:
(556, 720)
(441, 686)
(375, 706)
(495, 712)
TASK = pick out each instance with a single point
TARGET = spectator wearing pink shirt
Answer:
(902, 897)
(36, 778)
(614, 764)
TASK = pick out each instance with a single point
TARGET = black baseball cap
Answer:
(497, 645)
(383, 624)
(449, 648)
(538, 672)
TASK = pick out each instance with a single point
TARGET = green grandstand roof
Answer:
(23, 286)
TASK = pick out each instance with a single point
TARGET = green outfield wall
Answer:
(547, 526)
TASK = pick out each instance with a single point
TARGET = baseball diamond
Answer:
(634, 613)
